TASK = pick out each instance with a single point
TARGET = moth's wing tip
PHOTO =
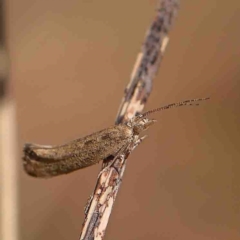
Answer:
(35, 146)
(31, 164)
(32, 150)
(27, 147)
(27, 161)
(26, 150)
(30, 147)
(29, 153)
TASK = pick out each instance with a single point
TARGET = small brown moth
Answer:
(48, 161)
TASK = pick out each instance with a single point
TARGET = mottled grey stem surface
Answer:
(136, 94)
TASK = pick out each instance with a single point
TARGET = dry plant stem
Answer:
(9, 182)
(100, 205)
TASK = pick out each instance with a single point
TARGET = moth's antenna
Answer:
(191, 102)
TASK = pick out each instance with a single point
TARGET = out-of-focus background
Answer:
(69, 64)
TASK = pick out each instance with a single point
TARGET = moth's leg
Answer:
(131, 145)
(138, 141)
(128, 147)
(122, 149)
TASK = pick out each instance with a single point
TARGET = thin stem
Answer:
(100, 205)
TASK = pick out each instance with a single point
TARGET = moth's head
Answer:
(141, 123)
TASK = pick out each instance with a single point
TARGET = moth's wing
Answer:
(48, 153)
(99, 144)
(48, 161)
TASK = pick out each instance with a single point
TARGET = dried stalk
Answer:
(100, 205)
(8, 164)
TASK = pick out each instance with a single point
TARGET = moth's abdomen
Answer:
(48, 161)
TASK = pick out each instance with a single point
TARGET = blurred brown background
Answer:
(70, 62)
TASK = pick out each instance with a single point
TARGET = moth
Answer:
(49, 161)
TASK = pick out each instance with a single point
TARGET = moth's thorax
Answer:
(139, 124)
(124, 130)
